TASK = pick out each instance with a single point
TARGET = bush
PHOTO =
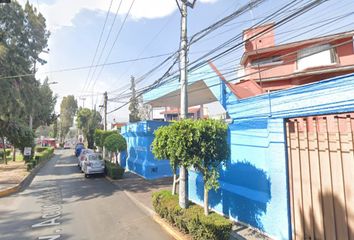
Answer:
(45, 153)
(31, 164)
(191, 220)
(113, 170)
(7, 152)
(40, 149)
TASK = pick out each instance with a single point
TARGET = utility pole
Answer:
(183, 172)
(105, 110)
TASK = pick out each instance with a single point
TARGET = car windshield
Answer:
(87, 151)
(94, 157)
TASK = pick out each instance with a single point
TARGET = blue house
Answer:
(291, 162)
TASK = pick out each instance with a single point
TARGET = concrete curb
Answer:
(165, 225)
(151, 213)
(25, 181)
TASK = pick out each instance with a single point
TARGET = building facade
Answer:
(276, 67)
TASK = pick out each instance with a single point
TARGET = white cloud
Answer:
(62, 12)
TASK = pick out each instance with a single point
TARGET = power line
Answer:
(149, 88)
(98, 44)
(257, 72)
(105, 43)
(114, 42)
(89, 66)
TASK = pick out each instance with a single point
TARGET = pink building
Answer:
(276, 67)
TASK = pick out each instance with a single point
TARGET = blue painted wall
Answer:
(140, 159)
(254, 183)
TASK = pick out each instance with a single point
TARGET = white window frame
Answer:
(315, 56)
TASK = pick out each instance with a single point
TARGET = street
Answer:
(61, 203)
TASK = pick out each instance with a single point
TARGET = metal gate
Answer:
(321, 176)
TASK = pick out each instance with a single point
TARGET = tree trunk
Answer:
(13, 153)
(174, 186)
(119, 158)
(4, 149)
(206, 201)
(183, 187)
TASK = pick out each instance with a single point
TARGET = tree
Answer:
(211, 151)
(175, 143)
(23, 36)
(101, 135)
(44, 106)
(88, 120)
(201, 144)
(115, 143)
(134, 103)
(68, 108)
(18, 134)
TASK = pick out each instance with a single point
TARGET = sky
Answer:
(153, 28)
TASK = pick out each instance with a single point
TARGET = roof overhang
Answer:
(198, 93)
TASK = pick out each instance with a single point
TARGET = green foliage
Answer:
(176, 143)
(101, 135)
(201, 144)
(88, 121)
(198, 143)
(44, 106)
(115, 143)
(23, 36)
(43, 153)
(7, 153)
(113, 170)
(191, 220)
(68, 108)
(211, 140)
(19, 135)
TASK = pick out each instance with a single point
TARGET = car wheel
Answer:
(86, 175)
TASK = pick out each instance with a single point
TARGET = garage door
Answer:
(321, 176)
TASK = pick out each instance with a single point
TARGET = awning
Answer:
(203, 87)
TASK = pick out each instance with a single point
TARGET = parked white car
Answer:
(93, 164)
(82, 156)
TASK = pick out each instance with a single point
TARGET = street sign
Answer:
(27, 151)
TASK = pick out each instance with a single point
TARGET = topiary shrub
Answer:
(191, 220)
(113, 170)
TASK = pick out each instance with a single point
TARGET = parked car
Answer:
(93, 164)
(67, 145)
(82, 156)
(78, 148)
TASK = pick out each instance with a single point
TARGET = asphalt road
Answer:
(61, 203)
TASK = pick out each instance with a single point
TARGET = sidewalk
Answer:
(140, 190)
(11, 175)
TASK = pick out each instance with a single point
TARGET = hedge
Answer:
(191, 220)
(113, 170)
(45, 153)
(7, 152)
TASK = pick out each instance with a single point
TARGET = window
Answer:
(267, 61)
(321, 55)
